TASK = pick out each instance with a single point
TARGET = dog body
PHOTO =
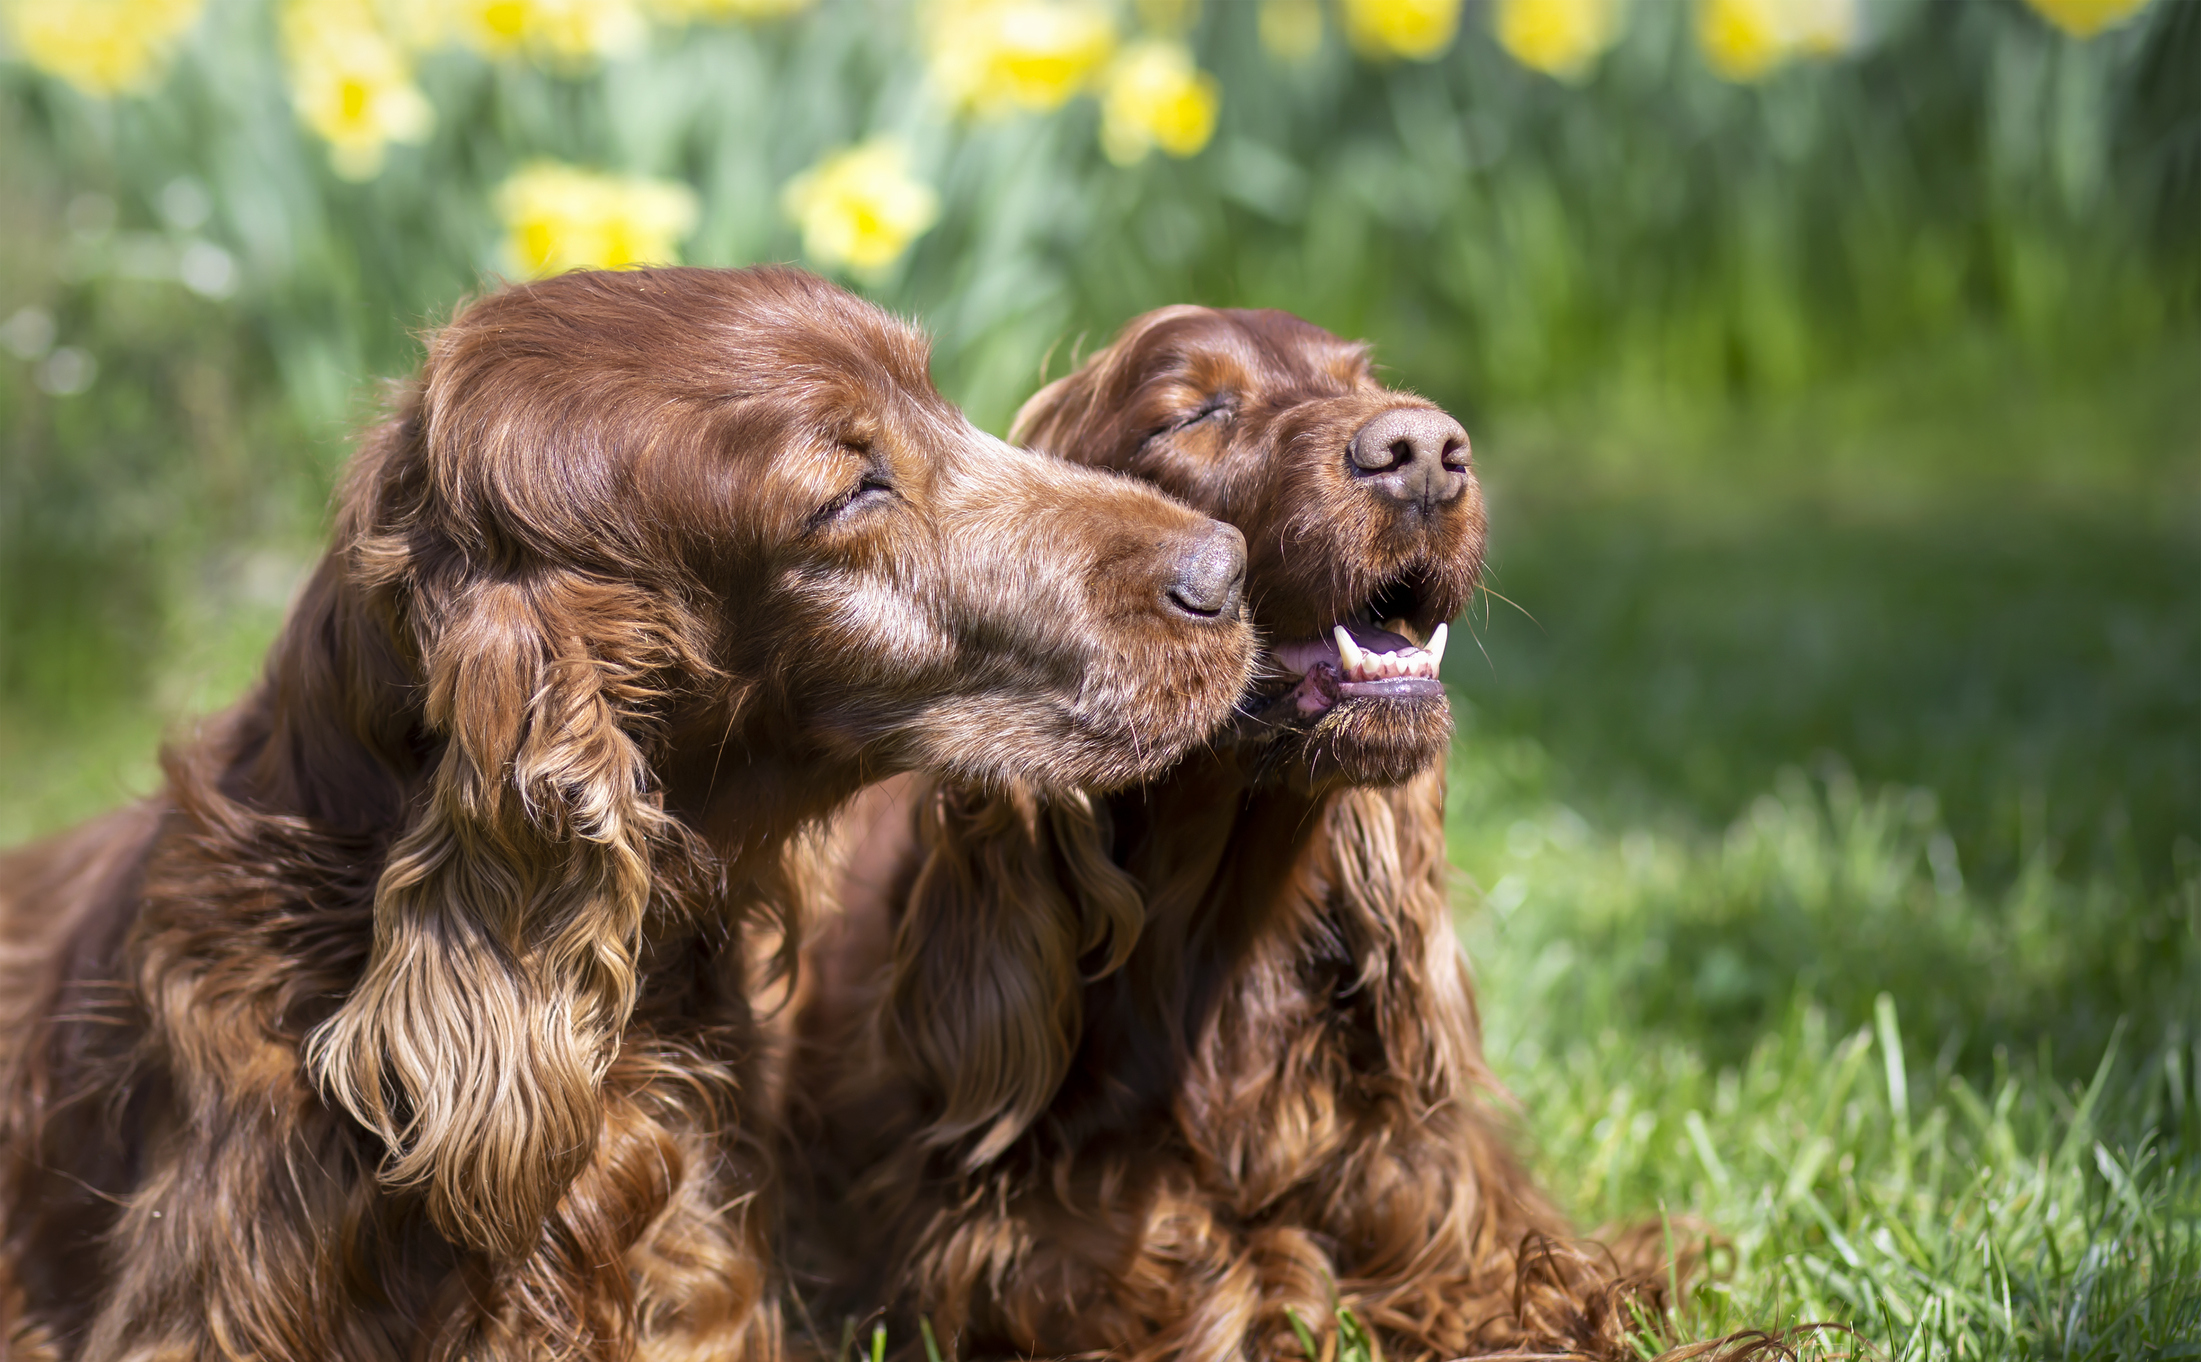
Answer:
(414, 1016)
(1275, 1101)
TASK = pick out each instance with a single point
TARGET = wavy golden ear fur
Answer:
(508, 916)
(1016, 895)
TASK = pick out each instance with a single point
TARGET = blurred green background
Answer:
(1827, 803)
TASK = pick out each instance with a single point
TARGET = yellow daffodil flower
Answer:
(351, 84)
(560, 217)
(1291, 30)
(102, 47)
(861, 208)
(1558, 37)
(1746, 39)
(2085, 18)
(990, 56)
(1420, 30)
(1741, 38)
(1156, 97)
(560, 32)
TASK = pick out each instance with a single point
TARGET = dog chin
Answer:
(1371, 740)
(1087, 753)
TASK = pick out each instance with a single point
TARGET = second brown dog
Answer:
(1153, 1073)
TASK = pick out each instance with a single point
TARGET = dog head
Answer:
(1362, 516)
(665, 562)
(763, 456)
(1364, 532)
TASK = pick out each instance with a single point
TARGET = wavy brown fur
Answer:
(1275, 1101)
(413, 1018)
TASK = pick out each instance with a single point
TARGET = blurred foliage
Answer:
(2033, 658)
(1896, 172)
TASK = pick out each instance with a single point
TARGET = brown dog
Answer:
(1147, 1074)
(412, 1018)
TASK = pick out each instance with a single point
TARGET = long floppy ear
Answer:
(1079, 415)
(1049, 416)
(509, 913)
(984, 1010)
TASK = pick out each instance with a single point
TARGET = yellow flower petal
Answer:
(1741, 38)
(559, 32)
(1420, 30)
(1558, 37)
(989, 56)
(103, 47)
(1744, 40)
(2085, 18)
(351, 84)
(860, 208)
(560, 217)
(1156, 97)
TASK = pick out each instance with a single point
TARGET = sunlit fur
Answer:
(1050, 1139)
(413, 1017)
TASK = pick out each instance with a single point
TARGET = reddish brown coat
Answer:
(413, 1017)
(1142, 1074)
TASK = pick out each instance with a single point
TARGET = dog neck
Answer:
(1248, 882)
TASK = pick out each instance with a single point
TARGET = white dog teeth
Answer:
(1356, 663)
(1349, 653)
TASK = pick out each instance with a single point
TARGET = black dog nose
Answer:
(1413, 455)
(1211, 576)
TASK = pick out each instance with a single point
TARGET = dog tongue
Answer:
(1300, 656)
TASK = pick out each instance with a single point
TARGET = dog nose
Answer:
(1413, 455)
(1211, 576)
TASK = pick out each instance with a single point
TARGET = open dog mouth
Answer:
(1372, 654)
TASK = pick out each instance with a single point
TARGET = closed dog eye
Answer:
(872, 492)
(1217, 410)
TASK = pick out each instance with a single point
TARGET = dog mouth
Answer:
(1379, 653)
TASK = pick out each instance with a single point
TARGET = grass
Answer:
(1826, 816)
(1829, 860)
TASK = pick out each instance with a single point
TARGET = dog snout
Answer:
(1415, 456)
(1210, 579)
